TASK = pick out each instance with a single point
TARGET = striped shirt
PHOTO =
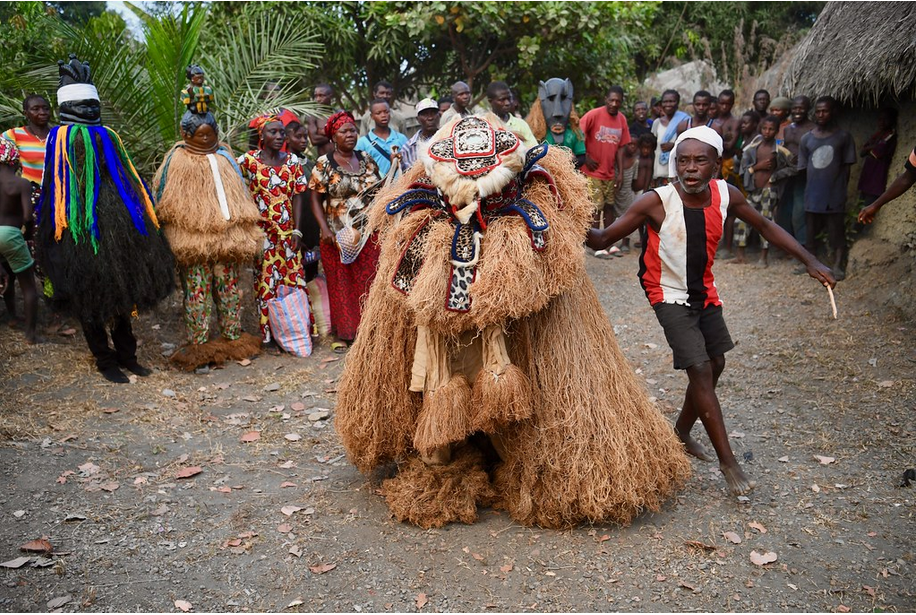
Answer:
(31, 152)
(676, 261)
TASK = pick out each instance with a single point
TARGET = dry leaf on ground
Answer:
(251, 436)
(422, 600)
(757, 526)
(322, 568)
(183, 605)
(732, 537)
(289, 510)
(41, 545)
(19, 562)
(762, 559)
(189, 472)
(56, 603)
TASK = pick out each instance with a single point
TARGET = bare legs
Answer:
(701, 403)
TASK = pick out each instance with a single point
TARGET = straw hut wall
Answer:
(864, 55)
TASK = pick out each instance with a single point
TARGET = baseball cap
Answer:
(781, 102)
(427, 103)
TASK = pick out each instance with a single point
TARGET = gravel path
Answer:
(819, 410)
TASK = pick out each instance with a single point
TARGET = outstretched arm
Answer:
(900, 185)
(775, 234)
(644, 209)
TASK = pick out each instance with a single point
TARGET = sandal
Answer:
(340, 347)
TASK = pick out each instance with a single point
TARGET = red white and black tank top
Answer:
(676, 261)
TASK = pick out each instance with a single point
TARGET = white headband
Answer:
(700, 133)
(77, 91)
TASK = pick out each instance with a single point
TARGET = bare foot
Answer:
(762, 264)
(33, 338)
(738, 483)
(695, 448)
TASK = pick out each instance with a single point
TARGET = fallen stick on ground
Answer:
(832, 301)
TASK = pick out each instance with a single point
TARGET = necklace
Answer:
(31, 132)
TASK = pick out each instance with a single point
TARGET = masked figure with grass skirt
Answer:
(98, 235)
(211, 222)
(485, 367)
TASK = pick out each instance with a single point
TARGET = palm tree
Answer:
(251, 67)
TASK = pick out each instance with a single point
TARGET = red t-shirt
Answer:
(604, 134)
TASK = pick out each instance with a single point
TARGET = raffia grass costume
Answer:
(98, 236)
(528, 365)
(204, 241)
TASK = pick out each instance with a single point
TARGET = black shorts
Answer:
(695, 335)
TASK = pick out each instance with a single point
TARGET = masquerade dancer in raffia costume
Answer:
(474, 365)
(98, 236)
(211, 222)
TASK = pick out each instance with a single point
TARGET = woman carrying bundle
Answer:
(348, 254)
(276, 182)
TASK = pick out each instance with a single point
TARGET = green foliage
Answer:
(423, 47)
(139, 80)
(733, 36)
(77, 12)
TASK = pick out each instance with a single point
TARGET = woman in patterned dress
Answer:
(276, 182)
(338, 176)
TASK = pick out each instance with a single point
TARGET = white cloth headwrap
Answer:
(77, 91)
(701, 133)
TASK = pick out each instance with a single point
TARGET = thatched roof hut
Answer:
(859, 53)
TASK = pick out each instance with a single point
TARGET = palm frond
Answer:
(258, 68)
(171, 44)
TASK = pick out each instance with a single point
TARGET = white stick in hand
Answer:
(832, 301)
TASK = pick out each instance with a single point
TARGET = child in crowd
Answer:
(645, 144)
(297, 141)
(16, 212)
(625, 195)
(379, 141)
(764, 165)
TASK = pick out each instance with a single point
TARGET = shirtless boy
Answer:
(16, 212)
(683, 223)
(764, 166)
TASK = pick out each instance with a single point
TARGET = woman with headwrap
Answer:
(349, 257)
(276, 182)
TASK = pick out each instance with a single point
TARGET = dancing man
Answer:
(682, 224)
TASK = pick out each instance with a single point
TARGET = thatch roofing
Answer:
(858, 52)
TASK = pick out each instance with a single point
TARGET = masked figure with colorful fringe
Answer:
(211, 223)
(474, 368)
(98, 237)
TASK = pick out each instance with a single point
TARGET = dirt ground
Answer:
(820, 411)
